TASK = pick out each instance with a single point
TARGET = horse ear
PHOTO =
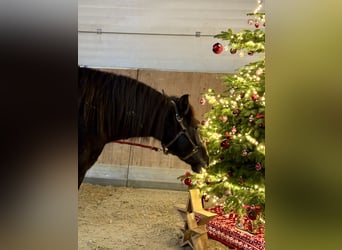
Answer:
(184, 104)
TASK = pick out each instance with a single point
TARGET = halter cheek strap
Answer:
(182, 132)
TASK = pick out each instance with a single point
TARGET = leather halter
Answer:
(180, 133)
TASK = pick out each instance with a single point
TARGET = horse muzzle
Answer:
(197, 167)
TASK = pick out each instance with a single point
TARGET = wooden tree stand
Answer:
(194, 222)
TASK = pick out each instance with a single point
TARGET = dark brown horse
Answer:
(113, 107)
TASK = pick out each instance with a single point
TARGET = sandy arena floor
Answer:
(127, 218)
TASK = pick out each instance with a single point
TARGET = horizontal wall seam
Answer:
(99, 32)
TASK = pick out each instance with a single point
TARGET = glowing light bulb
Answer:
(259, 71)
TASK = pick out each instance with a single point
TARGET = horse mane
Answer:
(120, 107)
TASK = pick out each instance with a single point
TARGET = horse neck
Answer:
(144, 115)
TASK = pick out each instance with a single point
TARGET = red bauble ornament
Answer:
(258, 166)
(232, 51)
(252, 211)
(217, 48)
(236, 112)
(225, 144)
(255, 97)
(187, 173)
(202, 101)
(250, 53)
(223, 118)
(256, 25)
(259, 116)
(230, 173)
(187, 181)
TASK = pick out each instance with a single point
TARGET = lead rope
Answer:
(165, 147)
(139, 145)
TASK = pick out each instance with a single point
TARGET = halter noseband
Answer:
(182, 132)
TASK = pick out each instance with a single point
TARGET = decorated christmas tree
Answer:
(234, 130)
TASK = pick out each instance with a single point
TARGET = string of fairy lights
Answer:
(258, 16)
(259, 6)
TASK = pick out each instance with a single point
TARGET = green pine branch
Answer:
(251, 40)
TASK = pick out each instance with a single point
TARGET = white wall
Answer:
(160, 34)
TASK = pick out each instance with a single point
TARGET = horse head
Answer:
(181, 136)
